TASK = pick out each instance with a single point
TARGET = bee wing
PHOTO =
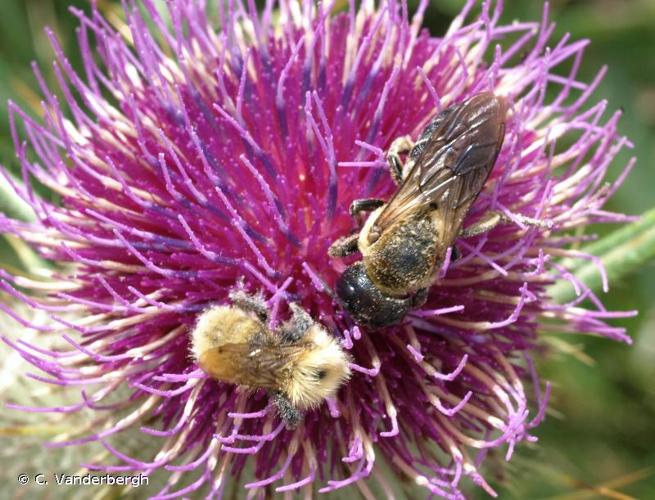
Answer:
(247, 364)
(452, 160)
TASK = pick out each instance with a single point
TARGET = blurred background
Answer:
(599, 438)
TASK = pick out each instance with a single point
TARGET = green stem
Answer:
(15, 207)
(622, 252)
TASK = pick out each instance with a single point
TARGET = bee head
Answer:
(320, 371)
(365, 302)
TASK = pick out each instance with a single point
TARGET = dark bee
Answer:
(405, 240)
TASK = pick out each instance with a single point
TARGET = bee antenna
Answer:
(317, 280)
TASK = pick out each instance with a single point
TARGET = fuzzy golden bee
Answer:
(300, 364)
(405, 240)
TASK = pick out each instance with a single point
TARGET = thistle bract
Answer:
(193, 153)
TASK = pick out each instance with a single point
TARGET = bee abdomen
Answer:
(403, 259)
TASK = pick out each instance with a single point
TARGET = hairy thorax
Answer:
(402, 260)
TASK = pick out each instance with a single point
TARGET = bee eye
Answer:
(321, 374)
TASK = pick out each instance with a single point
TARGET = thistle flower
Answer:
(23, 432)
(188, 157)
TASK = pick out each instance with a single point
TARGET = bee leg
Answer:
(345, 245)
(482, 226)
(400, 145)
(253, 303)
(494, 218)
(295, 329)
(365, 205)
(419, 298)
(288, 413)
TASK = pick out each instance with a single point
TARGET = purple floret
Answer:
(187, 157)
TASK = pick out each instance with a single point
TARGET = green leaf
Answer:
(13, 205)
(622, 252)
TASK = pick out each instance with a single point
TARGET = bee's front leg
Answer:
(289, 414)
(492, 219)
(400, 145)
(252, 303)
(295, 329)
(344, 246)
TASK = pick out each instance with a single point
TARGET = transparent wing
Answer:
(252, 365)
(452, 160)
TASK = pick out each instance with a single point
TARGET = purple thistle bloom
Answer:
(187, 157)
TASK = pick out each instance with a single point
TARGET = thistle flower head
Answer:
(188, 157)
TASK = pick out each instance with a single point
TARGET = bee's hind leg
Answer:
(400, 145)
(289, 414)
(492, 219)
(344, 246)
(295, 329)
(253, 303)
